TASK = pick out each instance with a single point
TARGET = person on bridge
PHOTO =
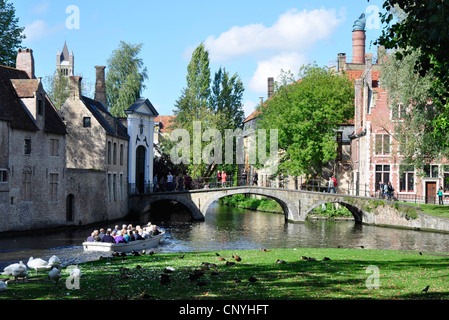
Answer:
(188, 181)
(155, 183)
(223, 179)
(255, 178)
(244, 177)
(330, 185)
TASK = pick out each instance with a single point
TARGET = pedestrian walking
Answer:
(330, 185)
(255, 178)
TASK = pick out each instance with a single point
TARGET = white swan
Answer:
(20, 271)
(55, 274)
(37, 264)
(54, 261)
(3, 285)
(8, 270)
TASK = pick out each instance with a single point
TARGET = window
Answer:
(26, 185)
(53, 187)
(121, 187)
(109, 152)
(382, 174)
(86, 122)
(382, 144)
(27, 146)
(54, 147)
(40, 105)
(114, 153)
(110, 187)
(121, 154)
(407, 180)
(431, 171)
(114, 181)
(3, 175)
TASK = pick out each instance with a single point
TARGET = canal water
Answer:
(227, 228)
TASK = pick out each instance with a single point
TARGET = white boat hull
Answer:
(137, 245)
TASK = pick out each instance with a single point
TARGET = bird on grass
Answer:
(217, 254)
(264, 250)
(54, 261)
(20, 271)
(311, 259)
(9, 269)
(280, 261)
(221, 259)
(228, 263)
(55, 274)
(425, 289)
(326, 259)
(237, 258)
(169, 270)
(252, 279)
(37, 264)
(182, 257)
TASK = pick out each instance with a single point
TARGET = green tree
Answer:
(11, 35)
(424, 27)
(125, 78)
(216, 108)
(57, 89)
(307, 114)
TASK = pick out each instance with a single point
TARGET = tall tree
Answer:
(125, 78)
(424, 27)
(226, 97)
(11, 35)
(307, 114)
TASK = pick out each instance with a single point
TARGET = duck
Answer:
(237, 258)
(55, 274)
(54, 261)
(37, 264)
(9, 269)
(280, 261)
(3, 285)
(20, 271)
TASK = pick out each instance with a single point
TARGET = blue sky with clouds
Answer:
(255, 39)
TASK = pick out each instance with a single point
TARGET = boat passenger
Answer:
(107, 237)
(137, 236)
(101, 234)
(119, 238)
(91, 238)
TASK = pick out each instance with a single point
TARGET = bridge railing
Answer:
(316, 185)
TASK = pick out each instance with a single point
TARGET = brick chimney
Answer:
(270, 86)
(25, 61)
(358, 46)
(100, 86)
(75, 87)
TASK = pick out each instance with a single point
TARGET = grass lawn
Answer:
(432, 209)
(401, 275)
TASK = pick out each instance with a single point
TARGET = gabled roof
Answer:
(110, 124)
(166, 122)
(142, 102)
(25, 88)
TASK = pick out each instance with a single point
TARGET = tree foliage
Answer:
(11, 35)
(216, 106)
(125, 78)
(307, 114)
(424, 27)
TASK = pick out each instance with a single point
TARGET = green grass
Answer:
(263, 204)
(432, 209)
(402, 275)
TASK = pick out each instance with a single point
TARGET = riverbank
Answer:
(252, 203)
(340, 273)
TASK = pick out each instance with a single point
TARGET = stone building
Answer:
(65, 62)
(97, 156)
(33, 151)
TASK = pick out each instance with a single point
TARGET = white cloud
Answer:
(39, 29)
(293, 31)
(272, 68)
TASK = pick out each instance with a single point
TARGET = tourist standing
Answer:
(381, 189)
(330, 185)
(255, 178)
(169, 182)
(223, 179)
(440, 195)
(188, 181)
(155, 183)
(244, 177)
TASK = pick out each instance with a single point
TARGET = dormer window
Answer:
(40, 105)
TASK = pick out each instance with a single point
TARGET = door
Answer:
(70, 207)
(431, 192)
(140, 169)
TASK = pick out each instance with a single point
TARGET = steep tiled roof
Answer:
(25, 88)
(112, 125)
(10, 105)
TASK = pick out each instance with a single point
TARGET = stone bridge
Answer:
(297, 204)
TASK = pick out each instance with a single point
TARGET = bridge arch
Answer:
(357, 213)
(291, 210)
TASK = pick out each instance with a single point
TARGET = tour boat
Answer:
(137, 245)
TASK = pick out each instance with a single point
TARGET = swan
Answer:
(54, 261)
(8, 270)
(55, 274)
(3, 285)
(20, 271)
(38, 264)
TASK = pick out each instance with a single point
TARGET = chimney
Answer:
(270, 87)
(341, 62)
(358, 46)
(100, 86)
(25, 61)
(75, 87)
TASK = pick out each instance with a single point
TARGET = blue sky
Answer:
(255, 39)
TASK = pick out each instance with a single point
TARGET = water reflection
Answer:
(228, 228)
